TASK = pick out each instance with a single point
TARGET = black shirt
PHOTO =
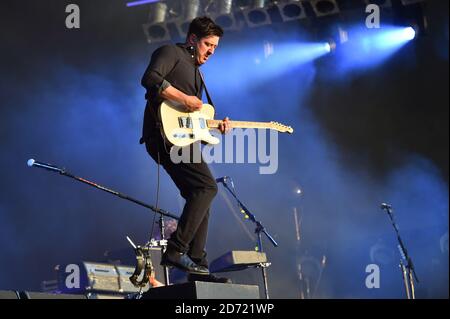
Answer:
(173, 65)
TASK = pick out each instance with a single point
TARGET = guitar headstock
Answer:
(281, 128)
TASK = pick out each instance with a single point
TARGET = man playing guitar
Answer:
(173, 74)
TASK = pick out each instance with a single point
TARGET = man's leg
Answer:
(192, 226)
(198, 187)
(197, 248)
(198, 254)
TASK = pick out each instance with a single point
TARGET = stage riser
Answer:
(42, 295)
(203, 290)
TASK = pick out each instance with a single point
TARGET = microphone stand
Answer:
(163, 245)
(258, 230)
(161, 212)
(408, 270)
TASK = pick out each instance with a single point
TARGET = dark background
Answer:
(73, 98)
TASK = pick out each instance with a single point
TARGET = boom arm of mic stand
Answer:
(260, 227)
(123, 196)
(409, 264)
(270, 237)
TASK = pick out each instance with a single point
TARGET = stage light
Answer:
(292, 10)
(158, 13)
(408, 33)
(408, 2)
(329, 46)
(333, 36)
(325, 7)
(368, 48)
(243, 4)
(190, 11)
(256, 15)
(380, 3)
(223, 15)
(156, 29)
(394, 37)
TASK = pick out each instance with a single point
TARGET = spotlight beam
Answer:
(366, 49)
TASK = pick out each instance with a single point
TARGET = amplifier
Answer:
(9, 294)
(89, 277)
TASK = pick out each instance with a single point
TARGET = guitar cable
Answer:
(157, 193)
(144, 261)
(158, 179)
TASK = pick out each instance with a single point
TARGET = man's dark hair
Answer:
(204, 27)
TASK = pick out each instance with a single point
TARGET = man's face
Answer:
(206, 47)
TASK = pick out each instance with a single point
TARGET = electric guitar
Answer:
(183, 128)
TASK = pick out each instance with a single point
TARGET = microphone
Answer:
(224, 180)
(385, 206)
(32, 162)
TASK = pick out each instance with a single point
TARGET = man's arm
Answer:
(162, 62)
(192, 103)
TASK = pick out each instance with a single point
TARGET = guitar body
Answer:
(183, 128)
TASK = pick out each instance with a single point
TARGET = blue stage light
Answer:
(367, 48)
(409, 33)
(327, 47)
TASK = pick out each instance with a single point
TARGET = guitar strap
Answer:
(206, 89)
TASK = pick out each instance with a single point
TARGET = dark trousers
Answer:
(198, 187)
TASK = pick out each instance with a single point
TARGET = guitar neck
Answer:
(240, 124)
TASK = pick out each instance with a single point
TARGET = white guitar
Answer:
(183, 128)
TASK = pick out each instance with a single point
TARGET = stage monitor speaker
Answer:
(203, 290)
(44, 295)
(4, 294)
(96, 278)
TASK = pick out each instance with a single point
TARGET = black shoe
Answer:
(183, 262)
(208, 278)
